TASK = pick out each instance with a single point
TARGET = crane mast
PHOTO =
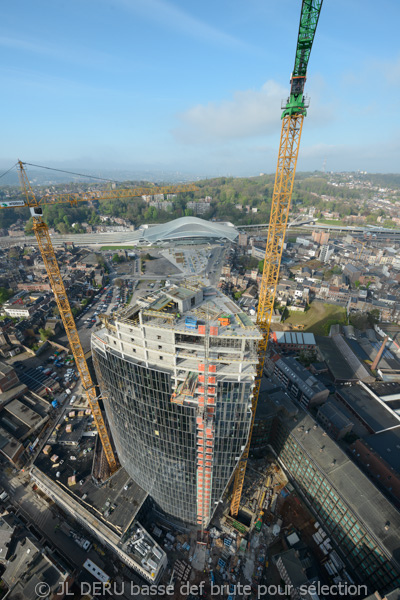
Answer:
(294, 111)
(46, 248)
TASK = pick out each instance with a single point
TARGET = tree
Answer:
(45, 334)
(5, 294)
(118, 282)
(261, 266)
(373, 317)
(357, 283)
(13, 253)
(116, 258)
(306, 357)
(62, 228)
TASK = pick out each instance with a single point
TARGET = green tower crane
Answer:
(292, 124)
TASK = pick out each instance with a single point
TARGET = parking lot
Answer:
(37, 381)
(55, 373)
(106, 301)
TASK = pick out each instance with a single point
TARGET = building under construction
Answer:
(177, 375)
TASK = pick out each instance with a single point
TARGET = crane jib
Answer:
(310, 11)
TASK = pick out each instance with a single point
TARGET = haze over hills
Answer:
(46, 177)
(332, 198)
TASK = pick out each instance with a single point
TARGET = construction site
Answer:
(156, 465)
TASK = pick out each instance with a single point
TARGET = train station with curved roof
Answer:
(187, 229)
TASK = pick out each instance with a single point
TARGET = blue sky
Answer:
(196, 86)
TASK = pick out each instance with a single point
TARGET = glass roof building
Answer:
(189, 229)
(177, 375)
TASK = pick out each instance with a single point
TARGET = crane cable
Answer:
(10, 169)
(70, 172)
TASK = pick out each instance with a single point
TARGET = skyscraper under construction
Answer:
(177, 373)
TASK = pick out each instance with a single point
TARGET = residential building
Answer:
(333, 420)
(292, 572)
(299, 382)
(325, 253)
(352, 272)
(243, 239)
(293, 341)
(31, 566)
(258, 252)
(8, 377)
(320, 237)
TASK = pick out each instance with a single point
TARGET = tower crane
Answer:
(294, 111)
(361, 250)
(46, 248)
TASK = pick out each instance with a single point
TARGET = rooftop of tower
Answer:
(192, 307)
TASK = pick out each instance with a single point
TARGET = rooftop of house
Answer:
(295, 337)
(30, 567)
(6, 533)
(293, 567)
(308, 384)
(5, 369)
(335, 416)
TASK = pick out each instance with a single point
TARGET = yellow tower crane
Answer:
(361, 250)
(292, 123)
(46, 248)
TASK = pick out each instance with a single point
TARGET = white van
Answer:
(72, 400)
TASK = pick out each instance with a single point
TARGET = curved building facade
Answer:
(177, 394)
(189, 229)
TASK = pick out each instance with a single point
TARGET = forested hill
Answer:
(232, 199)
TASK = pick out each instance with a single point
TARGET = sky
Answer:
(196, 87)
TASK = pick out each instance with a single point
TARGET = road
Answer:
(215, 264)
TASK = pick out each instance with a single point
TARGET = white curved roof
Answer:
(191, 228)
